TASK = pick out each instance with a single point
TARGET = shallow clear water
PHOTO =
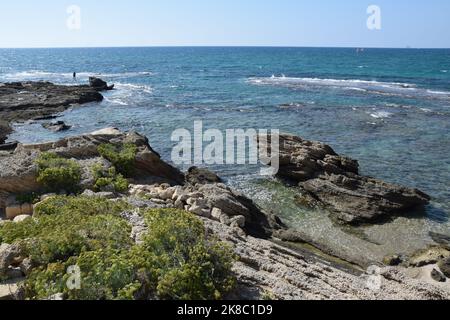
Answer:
(390, 109)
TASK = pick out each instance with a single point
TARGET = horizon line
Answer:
(227, 46)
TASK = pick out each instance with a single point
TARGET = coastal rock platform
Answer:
(333, 181)
(21, 101)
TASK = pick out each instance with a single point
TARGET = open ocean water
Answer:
(388, 108)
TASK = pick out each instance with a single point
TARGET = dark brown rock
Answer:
(437, 276)
(99, 84)
(201, 176)
(334, 182)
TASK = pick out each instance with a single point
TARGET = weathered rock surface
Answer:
(18, 171)
(264, 268)
(20, 101)
(10, 289)
(267, 268)
(211, 200)
(28, 100)
(333, 181)
(8, 255)
(429, 256)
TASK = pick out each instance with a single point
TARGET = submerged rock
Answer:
(437, 276)
(334, 182)
(441, 239)
(56, 126)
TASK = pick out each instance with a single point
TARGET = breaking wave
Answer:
(36, 75)
(363, 86)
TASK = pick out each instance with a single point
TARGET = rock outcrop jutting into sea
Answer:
(20, 101)
(333, 181)
(263, 267)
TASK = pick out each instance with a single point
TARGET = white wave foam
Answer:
(438, 92)
(369, 86)
(381, 115)
(330, 82)
(33, 75)
(133, 87)
(116, 101)
(357, 89)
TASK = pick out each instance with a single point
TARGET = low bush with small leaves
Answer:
(176, 260)
(189, 265)
(121, 156)
(56, 173)
(64, 226)
(108, 178)
(80, 205)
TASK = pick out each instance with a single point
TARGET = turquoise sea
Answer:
(388, 108)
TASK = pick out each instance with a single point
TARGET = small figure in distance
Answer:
(74, 76)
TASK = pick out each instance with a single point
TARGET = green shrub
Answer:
(106, 274)
(175, 261)
(190, 266)
(80, 205)
(108, 178)
(28, 198)
(58, 237)
(56, 173)
(122, 157)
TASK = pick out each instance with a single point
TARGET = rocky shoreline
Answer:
(333, 181)
(262, 267)
(267, 266)
(22, 101)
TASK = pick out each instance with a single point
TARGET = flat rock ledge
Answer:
(333, 181)
(21, 101)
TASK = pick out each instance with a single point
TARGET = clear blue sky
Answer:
(42, 23)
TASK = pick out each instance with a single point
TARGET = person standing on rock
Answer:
(74, 76)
